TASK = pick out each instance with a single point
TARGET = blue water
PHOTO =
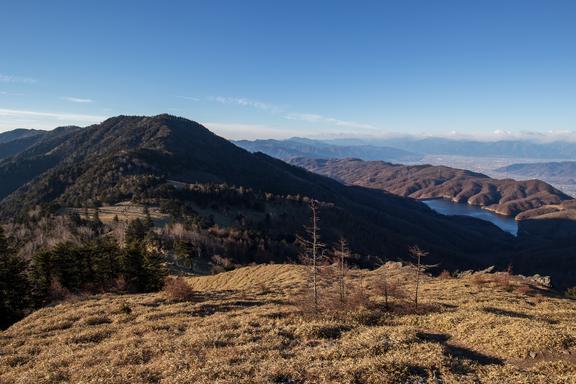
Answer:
(447, 207)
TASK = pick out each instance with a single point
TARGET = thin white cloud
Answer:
(241, 131)
(191, 98)
(15, 118)
(4, 93)
(16, 79)
(314, 118)
(246, 103)
(80, 118)
(307, 117)
(77, 100)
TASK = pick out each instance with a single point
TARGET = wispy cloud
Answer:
(286, 114)
(4, 93)
(77, 100)
(71, 117)
(191, 98)
(314, 118)
(17, 118)
(16, 79)
(237, 131)
(246, 103)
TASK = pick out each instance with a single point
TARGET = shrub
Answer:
(178, 289)
(571, 292)
(445, 275)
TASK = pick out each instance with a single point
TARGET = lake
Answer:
(447, 207)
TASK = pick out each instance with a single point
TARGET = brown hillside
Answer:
(506, 197)
(479, 328)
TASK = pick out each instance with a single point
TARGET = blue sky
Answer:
(251, 69)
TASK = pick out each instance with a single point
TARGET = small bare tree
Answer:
(417, 253)
(341, 254)
(313, 249)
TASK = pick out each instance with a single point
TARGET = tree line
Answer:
(99, 265)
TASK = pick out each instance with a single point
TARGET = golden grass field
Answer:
(243, 327)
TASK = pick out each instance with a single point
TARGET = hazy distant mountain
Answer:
(551, 170)
(443, 146)
(21, 143)
(302, 147)
(18, 133)
(507, 197)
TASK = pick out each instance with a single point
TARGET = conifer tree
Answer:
(14, 288)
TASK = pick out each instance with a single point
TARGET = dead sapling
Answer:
(341, 255)
(313, 251)
(417, 253)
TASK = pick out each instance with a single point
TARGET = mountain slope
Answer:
(298, 147)
(135, 157)
(19, 133)
(506, 197)
(30, 157)
(241, 327)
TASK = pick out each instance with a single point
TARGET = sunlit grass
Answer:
(243, 326)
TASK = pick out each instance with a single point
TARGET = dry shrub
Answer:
(120, 284)
(57, 292)
(478, 280)
(504, 280)
(571, 292)
(524, 289)
(445, 274)
(389, 290)
(178, 289)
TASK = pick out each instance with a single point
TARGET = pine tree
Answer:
(136, 232)
(14, 287)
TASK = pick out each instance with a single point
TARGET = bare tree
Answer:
(313, 248)
(418, 253)
(342, 253)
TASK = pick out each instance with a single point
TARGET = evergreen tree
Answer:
(14, 288)
(135, 233)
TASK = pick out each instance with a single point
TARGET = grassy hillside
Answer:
(243, 326)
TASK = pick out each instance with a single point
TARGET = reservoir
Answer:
(447, 207)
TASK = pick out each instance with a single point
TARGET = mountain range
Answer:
(506, 197)
(131, 158)
(559, 170)
(476, 148)
(167, 161)
(302, 147)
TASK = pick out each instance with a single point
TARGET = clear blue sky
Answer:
(276, 69)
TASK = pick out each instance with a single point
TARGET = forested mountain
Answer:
(246, 207)
(19, 133)
(506, 197)
(136, 158)
(300, 147)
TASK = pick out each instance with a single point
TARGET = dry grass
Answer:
(243, 327)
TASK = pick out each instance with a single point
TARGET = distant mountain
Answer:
(144, 158)
(19, 133)
(442, 146)
(506, 197)
(21, 144)
(301, 147)
(551, 170)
